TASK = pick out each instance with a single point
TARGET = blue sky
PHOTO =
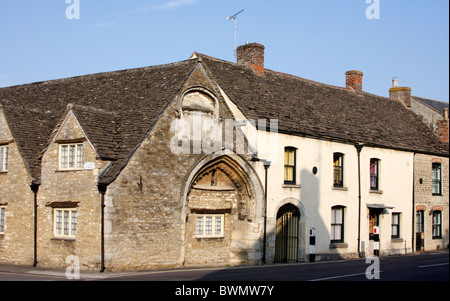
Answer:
(314, 39)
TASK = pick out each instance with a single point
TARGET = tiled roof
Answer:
(435, 104)
(117, 110)
(305, 107)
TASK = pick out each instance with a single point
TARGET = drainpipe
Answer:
(266, 167)
(102, 190)
(359, 147)
(413, 205)
(35, 187)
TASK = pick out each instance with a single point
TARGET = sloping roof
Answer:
(434, 104)
(305, 107)
(117, 110)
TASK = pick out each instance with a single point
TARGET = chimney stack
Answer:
(442, 127)
(353, 80)
(252, 55)
(402, 94)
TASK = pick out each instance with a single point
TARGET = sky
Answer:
(315, 39)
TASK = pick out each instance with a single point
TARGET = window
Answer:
(437, 224)
(210, 225)
(419, 221)
(2, 220)
(65, 223)
(289, 165)
(436, 179)
(4, 158)
(71, 156)
(395, 225)
(374, 174)
(337, 224)
(338, 168)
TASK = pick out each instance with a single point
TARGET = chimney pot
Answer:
(252, 54)
(395, 82)
(353, 80)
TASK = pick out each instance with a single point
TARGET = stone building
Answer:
(205, 162)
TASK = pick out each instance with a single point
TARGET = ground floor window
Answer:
(395, 225)
(437, 224)
(337, 224)
(2, 220)
(65, 223)
(210, 225)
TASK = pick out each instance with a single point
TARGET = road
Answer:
(423, 267)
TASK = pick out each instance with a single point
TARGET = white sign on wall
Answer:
(89, 165)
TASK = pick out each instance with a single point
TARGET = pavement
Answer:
(60, 274)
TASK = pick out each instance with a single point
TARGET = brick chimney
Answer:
(252, 55)
(400, 93)
(442, 127)
(353, 80)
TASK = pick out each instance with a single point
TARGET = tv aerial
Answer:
(234, 17)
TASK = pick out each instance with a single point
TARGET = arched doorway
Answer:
(287, 234)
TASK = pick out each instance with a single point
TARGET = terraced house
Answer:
(209, 162)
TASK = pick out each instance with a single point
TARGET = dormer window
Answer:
(71, 156)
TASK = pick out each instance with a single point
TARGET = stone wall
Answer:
(426, 201)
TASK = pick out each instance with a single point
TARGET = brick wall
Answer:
(425, 200)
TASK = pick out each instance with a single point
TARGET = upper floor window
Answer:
(70, 156)
(374, 174)
(436, 179)
(4, 158)
(289, 165)
(338, 170)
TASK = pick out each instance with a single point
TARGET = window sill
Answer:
(338, 245)
(66, 170)
(396, 240)
(339, 188)
(209, 237)
(69, 239)
(376, 191)
(292, 186)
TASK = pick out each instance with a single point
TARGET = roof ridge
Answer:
(92, 75)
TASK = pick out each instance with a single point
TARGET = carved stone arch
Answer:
(237, 200)
(200, 99)
(229, 176)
